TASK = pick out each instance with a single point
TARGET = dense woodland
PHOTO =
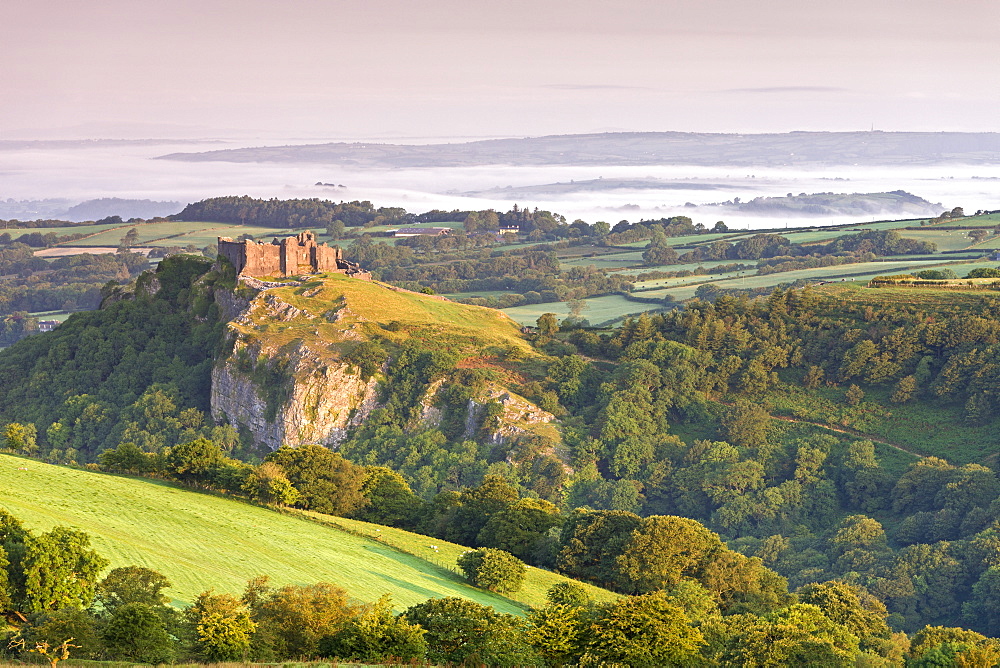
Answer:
(672, 481)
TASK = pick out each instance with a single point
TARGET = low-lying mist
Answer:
(86, 172)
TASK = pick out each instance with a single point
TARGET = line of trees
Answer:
(61, 609)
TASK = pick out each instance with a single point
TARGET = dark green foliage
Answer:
(523, 529)
(800, 635)
(984, 272)
(376, 635)
(568, 593)
(52, 570)
(87, 371)
(223, 627)
(936, 274)
(591, 542)
(326, 482)
(938, 645)
(644, 631)
(410, 372)
(56, 626)
(851, 606)
(475, 507)
(369, 357)
(558, 632)
(662, 550)
(493, 569)
(136, 633)
(458, 630)
(980, 611)
(290, 621)
(388, 499)
(194, 460)
(131, 584)
(71, 283)
(278, 213)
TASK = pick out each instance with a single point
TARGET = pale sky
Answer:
(342, 68)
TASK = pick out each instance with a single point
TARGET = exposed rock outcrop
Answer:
(319, 405)
(517, 417)
(286, 393)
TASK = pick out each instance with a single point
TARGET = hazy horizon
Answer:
(128, 172)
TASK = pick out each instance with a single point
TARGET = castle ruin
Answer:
(290, 256)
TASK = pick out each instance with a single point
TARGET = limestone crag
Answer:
(323, 400)
(230, 304)
(517, 417)
(284, 392)
(430, 415)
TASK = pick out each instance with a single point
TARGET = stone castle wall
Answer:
(287, 257)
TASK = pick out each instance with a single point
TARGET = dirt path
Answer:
(840, 430)
(850, 432)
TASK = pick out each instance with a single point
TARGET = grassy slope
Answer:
(538, 580)
(201, 541)
(371, 307)
(598, 310)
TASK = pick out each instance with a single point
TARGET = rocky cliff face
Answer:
(321, 404)
(286, 393)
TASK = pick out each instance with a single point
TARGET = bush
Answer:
(492, 569)
(568, 593)
(984, 272)
(936, 274)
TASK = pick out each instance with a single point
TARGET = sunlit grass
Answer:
(203, 541)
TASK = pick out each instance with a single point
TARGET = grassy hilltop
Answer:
(338, 309)
(200, 541)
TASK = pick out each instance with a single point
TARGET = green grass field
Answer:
(61, 316)
(73, 229)
(991, 243)
(692, 239)
(148, 232)
(482, 293)
(538, 580)
(211, 233)
(599, 310)
(202, 541)
(373, 307)
(606, 261)
(946, 240)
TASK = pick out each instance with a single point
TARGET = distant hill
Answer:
(896, 203)
(96, 209)
(645, 148)
(93, 209)
(594, 185)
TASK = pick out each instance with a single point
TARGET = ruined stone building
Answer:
(290, 256)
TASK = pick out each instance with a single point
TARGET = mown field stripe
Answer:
(201, 541)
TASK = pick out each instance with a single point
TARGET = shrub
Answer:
(492, 569)
(568, 593)
(984, 272)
